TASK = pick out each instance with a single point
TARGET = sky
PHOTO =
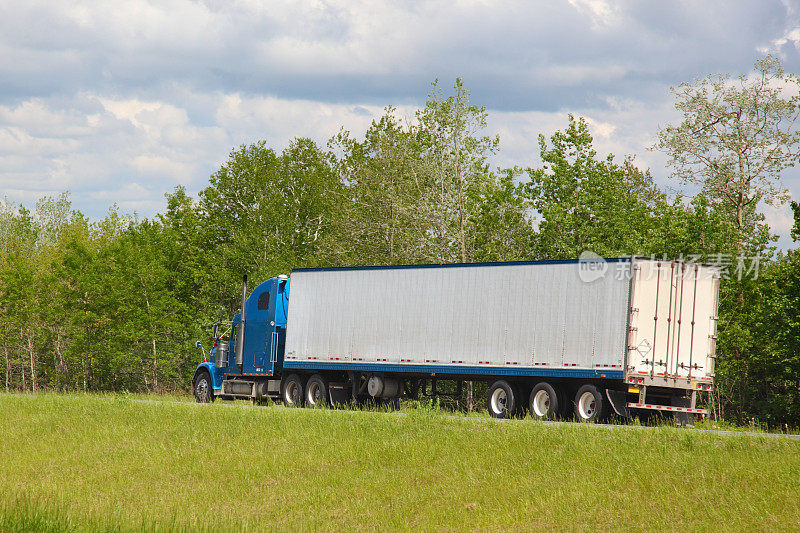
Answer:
(119, 102)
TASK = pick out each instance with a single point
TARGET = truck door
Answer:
(258, 332)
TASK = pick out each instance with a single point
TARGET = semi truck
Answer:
(583, 338)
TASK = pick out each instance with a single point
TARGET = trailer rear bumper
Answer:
(667, 408)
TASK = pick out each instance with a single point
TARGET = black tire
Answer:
(501, 400)
(316, 393)
(591, 404)
(543, 401)
(202, 388)
(292, 391)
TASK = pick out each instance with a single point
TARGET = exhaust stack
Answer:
(240, 337)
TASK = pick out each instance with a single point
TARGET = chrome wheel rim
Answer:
(541, 404)
(201, 390)
(292, 395)
(499, 401)
(315, 394)
(587, 406)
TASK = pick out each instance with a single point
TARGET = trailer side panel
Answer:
(526, 316)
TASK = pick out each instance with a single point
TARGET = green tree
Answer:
(758, 376)
(18, 300)
(735, 139)
(90, 294)
(263, 213)
(583, 203)
(414, 191)
(501, 228)
(423, 192)
(380, 220)
(454, 153)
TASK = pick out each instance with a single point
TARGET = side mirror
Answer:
(198, 344)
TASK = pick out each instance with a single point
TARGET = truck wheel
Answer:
(203, 391)
(543, 401)
(590, 404)
(292, 391)
(501, 400)
(317, 392)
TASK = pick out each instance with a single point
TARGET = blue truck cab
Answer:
(230, 372)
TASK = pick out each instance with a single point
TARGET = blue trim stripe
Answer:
(454, 369)
(457, 265)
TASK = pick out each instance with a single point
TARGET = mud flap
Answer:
(339, 393)
(618, 401)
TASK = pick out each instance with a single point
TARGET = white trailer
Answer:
(626, 333)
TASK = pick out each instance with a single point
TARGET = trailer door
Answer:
(673, 322)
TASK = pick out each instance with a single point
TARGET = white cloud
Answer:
(603, 13)
(132, 151)
(122, 101)
(792, 36)
(128, 109)
(128, 191)
(780, 220)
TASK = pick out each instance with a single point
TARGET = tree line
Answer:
(116, 304)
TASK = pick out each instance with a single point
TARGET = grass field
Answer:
(90, 463)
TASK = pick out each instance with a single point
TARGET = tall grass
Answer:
(84, 463)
